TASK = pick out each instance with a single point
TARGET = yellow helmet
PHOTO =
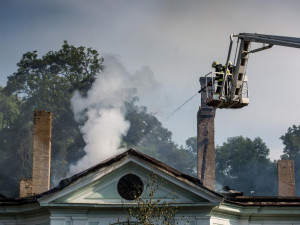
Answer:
(214, 64)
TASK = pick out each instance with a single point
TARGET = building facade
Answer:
(104, 193)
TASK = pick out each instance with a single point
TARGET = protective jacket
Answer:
(231, 68)
(219, 69)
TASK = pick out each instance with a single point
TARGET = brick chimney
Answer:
(40, 181)
(286, 178)
(206, 141)
(25, 188)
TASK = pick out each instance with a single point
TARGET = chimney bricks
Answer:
(206, 141)
(286, 178)
(25, 188)
(41, 156)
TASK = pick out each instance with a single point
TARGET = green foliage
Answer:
(45, 83)
(146, 134)
(9, 109)
(191, 144)
(47, 77)
(291, 140)
(243, 164)
(13, 144)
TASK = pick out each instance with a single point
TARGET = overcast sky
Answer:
(177, 41)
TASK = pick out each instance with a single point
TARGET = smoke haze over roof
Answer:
(176, 42)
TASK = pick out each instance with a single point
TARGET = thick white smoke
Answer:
(103, 110)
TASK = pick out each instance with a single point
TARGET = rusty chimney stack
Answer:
(286, 178)
(206, 141)
(40, 181)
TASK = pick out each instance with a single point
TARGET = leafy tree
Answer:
(9, 109)
(46, 83)
(64, 71)
(9, 113)
(291, 140)
(147, 135)
(191, 144)
(243, 164)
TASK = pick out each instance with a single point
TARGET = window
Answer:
(130, 187)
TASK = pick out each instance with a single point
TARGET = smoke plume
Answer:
(103, 110)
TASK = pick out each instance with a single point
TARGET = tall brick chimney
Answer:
(40, 181)
(41, 152)
(286, 178)
(206, 141)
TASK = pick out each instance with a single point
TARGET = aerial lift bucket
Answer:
(222, 98)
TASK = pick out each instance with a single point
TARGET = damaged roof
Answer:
(265, 200)
(229, 195)
(67, 181)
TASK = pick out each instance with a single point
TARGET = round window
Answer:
(130, 187)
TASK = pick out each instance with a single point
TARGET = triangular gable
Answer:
(99, 186)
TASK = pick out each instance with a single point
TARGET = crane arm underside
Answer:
(270, 39)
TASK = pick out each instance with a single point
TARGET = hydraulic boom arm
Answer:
(231, 95)
(270, 39)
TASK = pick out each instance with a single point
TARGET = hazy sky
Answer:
(177, 42)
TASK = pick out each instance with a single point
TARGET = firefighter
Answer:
(230, 71)
(219, 75)
(231, 68)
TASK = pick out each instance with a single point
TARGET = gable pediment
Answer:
(100, 187)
